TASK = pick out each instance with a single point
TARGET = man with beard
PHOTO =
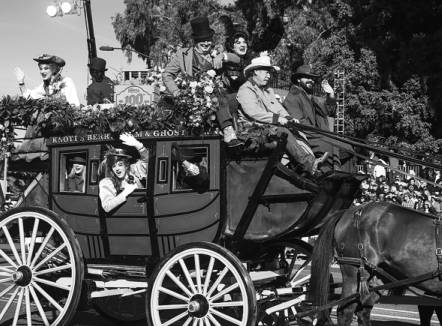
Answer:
(102, 88)
(312, 110)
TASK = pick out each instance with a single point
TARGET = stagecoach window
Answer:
(182, 179)
(73, 171)
(162, 170)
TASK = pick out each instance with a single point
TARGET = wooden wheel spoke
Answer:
(6, 280)
(187, 274)
(47, 296)
(172, 307)
(32, 243)
(198, 273)
(39, 306)
(50, 283)
(188, 321)
(8, 304)
(28, 307)
(208, 275)
(174, 320)
(9, 288)
(11, 244)
(173, 294)
(225, 291)
(179, 283)
(218, 281)
(48, 257)
(43, 245)
(225, 317)
(54, 269)
(22, 240)
(227, 304)
(9, 260)
(213, 320)
(18, 307)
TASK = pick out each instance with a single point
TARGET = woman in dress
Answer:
(123, 178)
(54, 86)
(77, 176)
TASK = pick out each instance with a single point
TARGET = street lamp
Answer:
(58, 8)
(110, 48)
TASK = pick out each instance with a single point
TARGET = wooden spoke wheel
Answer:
(41, 268)
(200, 284)
(128, 310)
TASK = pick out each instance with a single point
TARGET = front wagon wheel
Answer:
(200, 284)
(41, 268)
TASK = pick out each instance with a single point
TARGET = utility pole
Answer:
(91, 46)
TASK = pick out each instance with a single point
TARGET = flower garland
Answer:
(192, 113)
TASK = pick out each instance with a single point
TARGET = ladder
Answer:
(339, 88)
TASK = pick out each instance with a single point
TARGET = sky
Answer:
(26, 31)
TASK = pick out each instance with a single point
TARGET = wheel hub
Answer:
(198, 306)
(22, 276)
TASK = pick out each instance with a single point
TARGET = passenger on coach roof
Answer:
(101, 90)
(260, 106)
(54, 85)
(122, 177)
(203, 56)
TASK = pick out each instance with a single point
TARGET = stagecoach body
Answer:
(253, 213)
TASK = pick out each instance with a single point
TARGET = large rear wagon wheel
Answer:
(200, 284)
(41, 268)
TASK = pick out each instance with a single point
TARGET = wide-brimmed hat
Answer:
(78, 160)
(260, 62)
(98, 64)
(189, 155)
(49, 58)
(304, 70)
(117, 152)
(201, 28)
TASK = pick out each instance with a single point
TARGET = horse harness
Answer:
(362, 261)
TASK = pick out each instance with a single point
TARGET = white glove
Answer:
(193, 169)
(20, 74)
(130, 140)
(129, 189)
(326, 87)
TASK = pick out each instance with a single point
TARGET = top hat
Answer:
(49, 58)
(304, 70)
(118, 152)
(260, 62)
(189, 155)
(78, 160)
(201, 28)
(97, 64)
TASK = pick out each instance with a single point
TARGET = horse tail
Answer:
(321, 261)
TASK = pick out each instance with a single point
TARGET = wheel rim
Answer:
(199, 287)
(37, 270)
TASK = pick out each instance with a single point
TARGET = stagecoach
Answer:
(229, 254)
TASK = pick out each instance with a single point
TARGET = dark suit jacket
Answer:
(308, 111)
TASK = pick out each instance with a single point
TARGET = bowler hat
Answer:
(98, 64)
(304, 70)
(49, 58)
(189, 155)
(201, 28)
(78, 160)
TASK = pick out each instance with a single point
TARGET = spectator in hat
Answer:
(313, 110)
(407, 201)
(260, 107)
(122, 177)
(201, 57)
(76, 178)
(101, 90)
(191, 174)
(54, 86)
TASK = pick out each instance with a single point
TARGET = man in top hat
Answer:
(203, 56)
(260, 106)
(102, 88)
(312, 110)
(191, 175)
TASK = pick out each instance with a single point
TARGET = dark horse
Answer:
(398, 240)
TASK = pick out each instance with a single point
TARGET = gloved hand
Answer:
(20, 74)
(218, 61)
(129, 189)
(130, 140)
(326, 87)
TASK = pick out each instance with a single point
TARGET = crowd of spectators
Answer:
(402, 188)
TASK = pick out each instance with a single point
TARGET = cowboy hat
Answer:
(304, 70)
(97, 64)
(49, 58)
(201, 28)
(78, 160)
(260, 62)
